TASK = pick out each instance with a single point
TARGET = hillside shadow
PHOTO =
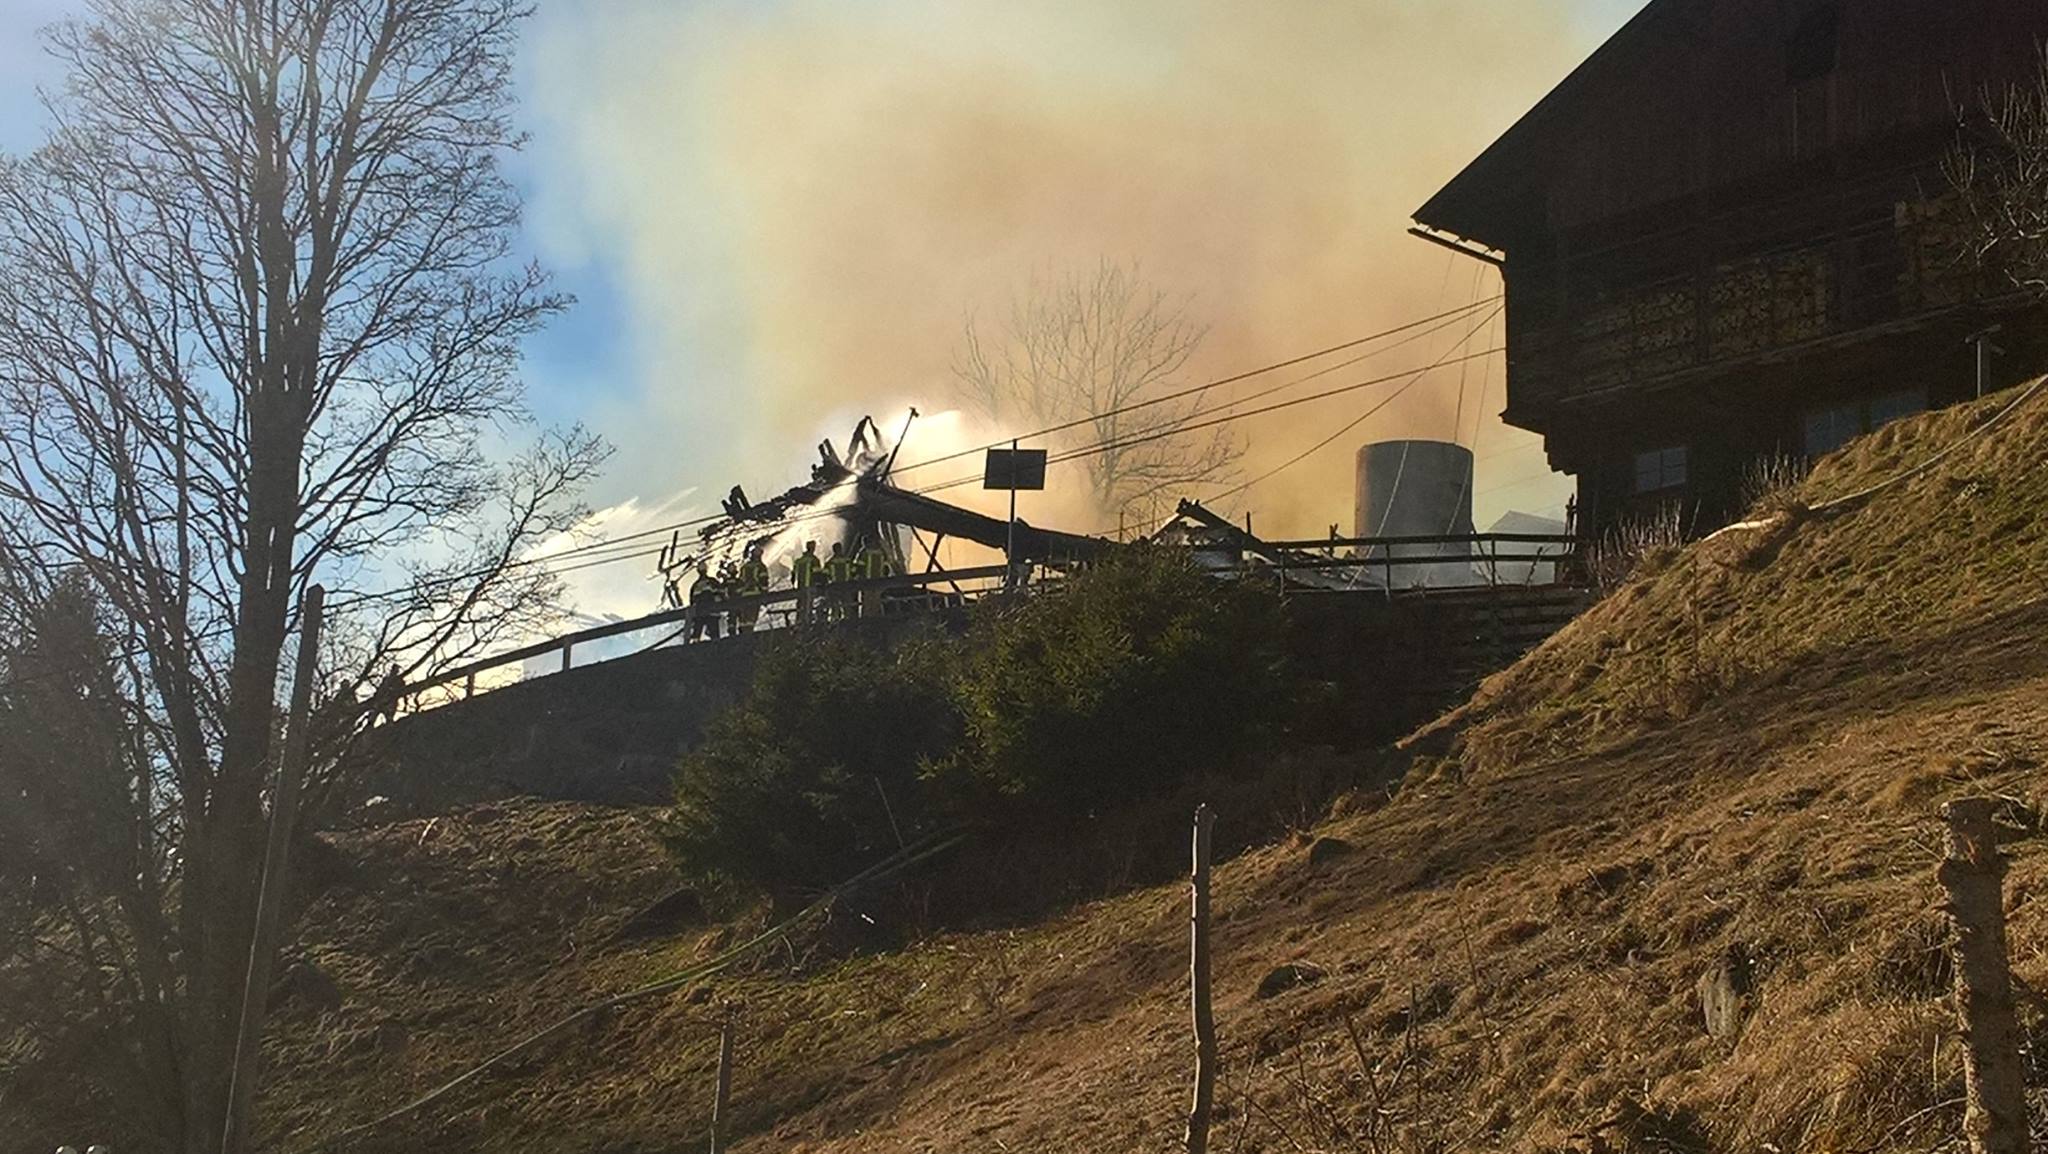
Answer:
(1438, 834)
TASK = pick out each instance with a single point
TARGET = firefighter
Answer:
(705, 594)
(752, 582)
(871, 564)
(728, 587)
(804, 573)
(838, 573)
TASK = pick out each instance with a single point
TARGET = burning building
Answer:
(851, 501)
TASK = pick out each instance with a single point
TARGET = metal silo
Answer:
(1415, 489)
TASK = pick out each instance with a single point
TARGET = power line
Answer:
(1485, 384)
(618, 549)
(1412, 376)
(1440, 321)
(588, 557)
(1198, 389)
(1522, 480)
(1389, 399)
(1157, 432)
(1458, 418)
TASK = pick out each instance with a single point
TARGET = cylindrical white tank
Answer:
(1415, 489)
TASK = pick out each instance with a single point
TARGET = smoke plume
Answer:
(803, 200)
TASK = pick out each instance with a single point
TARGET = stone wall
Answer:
(611, 732)
(608, 732)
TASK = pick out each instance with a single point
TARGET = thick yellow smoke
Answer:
(807, 198)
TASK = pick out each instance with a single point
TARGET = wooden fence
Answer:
(937, 589)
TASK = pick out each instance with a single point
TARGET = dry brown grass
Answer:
(1636, 548)
(1721, 757)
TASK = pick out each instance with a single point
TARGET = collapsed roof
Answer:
(850, 499)
(1221, 547)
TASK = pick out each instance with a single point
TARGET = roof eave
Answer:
(1467, 206)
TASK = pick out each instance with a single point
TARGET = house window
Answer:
(1660, 469)
(1811, 52)
(1831, 427)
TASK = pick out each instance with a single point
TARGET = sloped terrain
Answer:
(1728, 770)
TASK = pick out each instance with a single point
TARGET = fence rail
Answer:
(886, 596)
(1384, 556)
(959, 582)
(1565, 541)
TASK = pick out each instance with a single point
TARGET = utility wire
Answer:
(1389, 399)
(896, 863)
(616, 550)
(1411, 376)
(1198, 389)
(1156, 433)
(1439, 321)
(626, 548)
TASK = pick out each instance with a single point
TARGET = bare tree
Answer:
(260, 320)
(1999, 170)
(1077, 351)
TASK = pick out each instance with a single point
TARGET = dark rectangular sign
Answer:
(1014, 469)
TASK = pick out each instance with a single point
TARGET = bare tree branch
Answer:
(1999, 171)
(260, 325)
(1080, 349)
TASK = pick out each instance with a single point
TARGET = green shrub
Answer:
(1139, 673)
(1135, 676)
(816, 769)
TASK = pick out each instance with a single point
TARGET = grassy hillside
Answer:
(1734, 761)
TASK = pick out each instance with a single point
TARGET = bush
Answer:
(816, 769)
(1636, 546)
(1771, 483)
(1141, 672)
(1135, 676)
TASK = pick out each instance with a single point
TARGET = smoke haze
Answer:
(801, 201)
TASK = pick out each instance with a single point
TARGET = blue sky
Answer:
(775, 215)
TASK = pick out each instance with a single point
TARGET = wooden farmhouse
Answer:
(1730, 236)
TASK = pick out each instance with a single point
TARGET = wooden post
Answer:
(1010, 542)
(284, 804)
(723, 1098)
(1198, 973)
(1995, 1117)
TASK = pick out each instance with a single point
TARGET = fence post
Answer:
(1995, 1118)
(284, 804)
(723, 1098)
(1198, 973)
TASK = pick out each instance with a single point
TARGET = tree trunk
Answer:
(231, 847)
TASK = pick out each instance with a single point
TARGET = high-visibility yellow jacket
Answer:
(753, 578)
(875, 563)
(804, 570)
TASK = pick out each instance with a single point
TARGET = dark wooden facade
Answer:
(1725, 237)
